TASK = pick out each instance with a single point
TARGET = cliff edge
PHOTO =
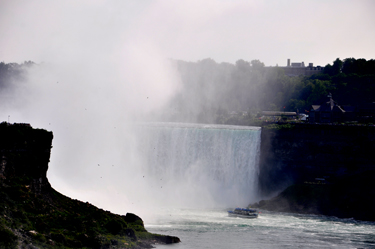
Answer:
(34, 215)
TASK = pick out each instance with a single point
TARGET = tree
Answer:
(335, 68)
(257, 65)
(242, 65)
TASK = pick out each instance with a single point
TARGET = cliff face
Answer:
(326, 169)
(24, 154)
(349, 197)
(302, 152)
(34, 215)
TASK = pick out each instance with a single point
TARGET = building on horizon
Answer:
(299, 68)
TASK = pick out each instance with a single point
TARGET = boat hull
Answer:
(246, 216)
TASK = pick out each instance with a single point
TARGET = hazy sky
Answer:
(224, 30)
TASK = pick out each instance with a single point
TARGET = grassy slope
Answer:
(56, 221)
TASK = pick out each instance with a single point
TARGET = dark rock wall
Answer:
(25, 154)
(304, 152)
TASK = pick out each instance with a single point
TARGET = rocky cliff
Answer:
(349, 197)
(34, 215)
(322, 169)
(295, 153)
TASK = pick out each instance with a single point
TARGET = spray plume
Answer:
(98, 72)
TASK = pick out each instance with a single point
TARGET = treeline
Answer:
(212, 92)
(351, 82)
(12, 72)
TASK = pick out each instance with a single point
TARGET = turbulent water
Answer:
(198, 228)
(200, 165)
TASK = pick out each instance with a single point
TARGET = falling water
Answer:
(199, 165)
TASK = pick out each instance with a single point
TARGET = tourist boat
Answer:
(243, 213)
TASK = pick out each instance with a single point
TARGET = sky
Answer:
(105, 65)
(272, 31)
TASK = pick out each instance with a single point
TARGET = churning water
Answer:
(198, 228)
(199, 165)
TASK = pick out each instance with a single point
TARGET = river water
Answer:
(198, 228)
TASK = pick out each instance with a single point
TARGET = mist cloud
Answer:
(103, 64)
(96, 73)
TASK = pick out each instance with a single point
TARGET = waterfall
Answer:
(199, 165)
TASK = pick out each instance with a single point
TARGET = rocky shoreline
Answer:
(34, 215)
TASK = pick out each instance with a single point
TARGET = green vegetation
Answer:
(56, 221)
(235, 94)
(350, 81)
(226, 93)
(279, 126)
